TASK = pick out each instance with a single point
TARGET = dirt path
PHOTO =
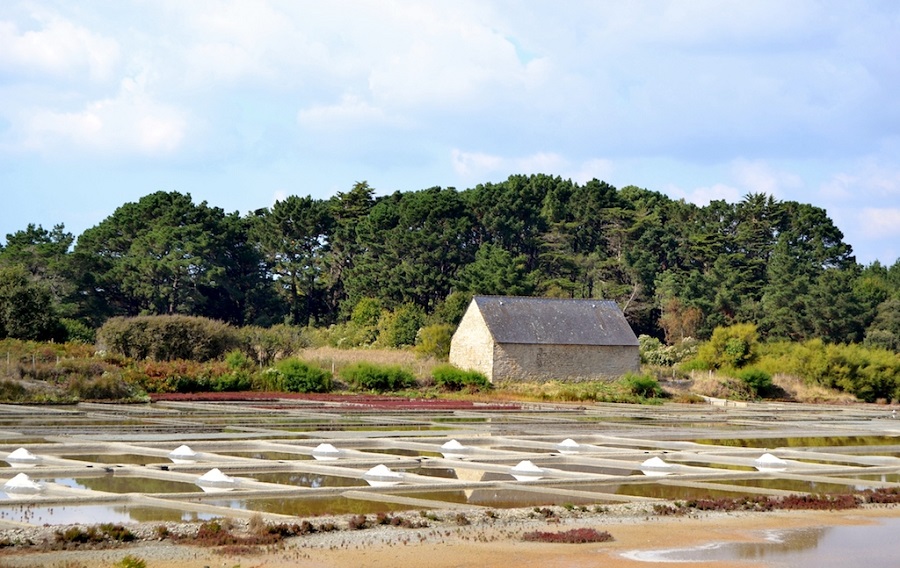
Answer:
(474, 546)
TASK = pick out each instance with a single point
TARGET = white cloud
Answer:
(540, 163)
(130, 123)
(704, 195)
(350, 112)
(477, 166)
(58, 48)
(223, 43)
(869, 178)
(839, 187)
(597, 168)
(879, 222)
(443, 54)
(759, 177)
(473, 165)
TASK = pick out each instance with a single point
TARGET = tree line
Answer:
(678, 270)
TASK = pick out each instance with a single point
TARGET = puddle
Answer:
(791, 485)
(124, 484)
(444, 473)
(817, 442)
(872, 546)
(130, 459)
(882, 477)
(715, 465)
(523, 450)
(501, 498)
(669, 492)
(595, 470)
(403, 453)
(312, 480)
(66, 515)
(312, 506)
(396, 428)
(262, 455)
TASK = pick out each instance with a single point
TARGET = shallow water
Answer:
(263, 455)
(126, 484)
(872, 546)
(70, 514)
(795, 485)
(131, 459)
(312, 480)
(311, 507)
(817, 442)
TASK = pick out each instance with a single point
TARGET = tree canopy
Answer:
(676, 269)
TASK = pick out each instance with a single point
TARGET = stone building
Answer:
(534, 339)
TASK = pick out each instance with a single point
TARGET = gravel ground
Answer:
(446, 541)
(39, 546)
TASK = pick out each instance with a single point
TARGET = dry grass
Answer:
(719, 386)
(791, 388)
(334, 359)
(797, 390)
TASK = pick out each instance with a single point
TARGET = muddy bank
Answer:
(485, 542)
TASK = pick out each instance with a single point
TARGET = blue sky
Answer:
(242, 102)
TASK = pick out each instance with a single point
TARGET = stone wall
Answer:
(472, 346)
(564, 362)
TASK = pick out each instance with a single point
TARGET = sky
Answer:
(243, 102)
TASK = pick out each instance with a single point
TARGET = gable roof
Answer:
(553, 321)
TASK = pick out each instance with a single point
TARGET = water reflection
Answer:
(116, 484)
(801, 441)
(313, 480)
(312, 506)
(72, 514)
(872, 546)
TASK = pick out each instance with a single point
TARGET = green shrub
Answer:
(757, 379)
(452, 309)
(654, 352)
(643, 386)
(265, 345)
(451, 378)
(293, 375)
(106, 387)
(367, 312)
(867, 373)
(11, 391)
(695, 364)
(117, 532)
(651, 350)
(237, 360)
(77, 332)
(400, 327)
(366, 376)
(176, 376)
(344, 335)
(130, 561)
(731, 347)
(166, 338)
(434, 340)
(236, 381)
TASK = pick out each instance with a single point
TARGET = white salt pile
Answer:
(526, 471)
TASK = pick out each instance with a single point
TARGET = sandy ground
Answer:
(483, 544)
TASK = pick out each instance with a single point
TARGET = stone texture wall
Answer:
(472, 346)
(563, 362)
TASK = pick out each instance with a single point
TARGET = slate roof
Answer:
(553, 321)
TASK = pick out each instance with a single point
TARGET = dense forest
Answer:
(676, 269)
